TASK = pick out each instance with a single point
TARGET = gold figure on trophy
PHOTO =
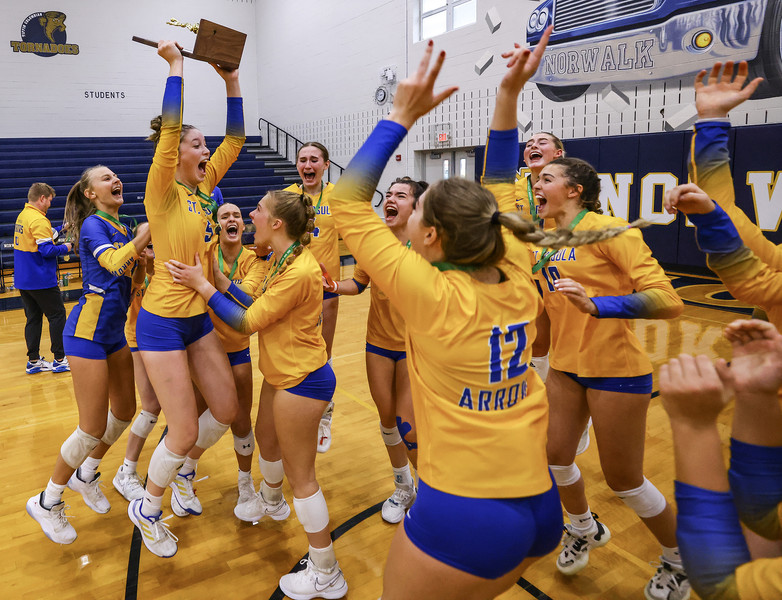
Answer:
(191, 26)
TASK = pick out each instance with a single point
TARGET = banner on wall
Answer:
(43, 34)
(606, 41)
(637, 170)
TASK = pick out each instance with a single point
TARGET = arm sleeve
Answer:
(239, 296)
(710, 170)
(230, 312)
(747, 277)
(231, 146)
(160, 181)
(708, 519)
(360, 278)
(654, 297)
(95, 238)
(50, 250)
(42, 232)
(755, 477)
(415, 287)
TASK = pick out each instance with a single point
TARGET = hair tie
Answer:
(495, 218)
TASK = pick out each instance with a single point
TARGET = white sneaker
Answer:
(574, 555)
(183, 497)
(53, 521)
(246, 490)
(37, 366)
(60, 366)
(668, 583)
(324, 429)
(257, 508)
(129, 484)
(90, 491)
(310, 583)
(394, 508)
(583, 443)
(155, 533)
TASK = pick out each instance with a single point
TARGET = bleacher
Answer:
(60, 162)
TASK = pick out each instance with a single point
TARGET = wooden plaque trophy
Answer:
(214, 43)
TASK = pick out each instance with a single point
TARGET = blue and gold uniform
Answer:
(35, 253)
(107, 261)
(481, 412)
(324, 244)
(181, 220)
(385, 326)
(625, 282)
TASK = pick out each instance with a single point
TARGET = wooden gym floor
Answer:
(220, 556)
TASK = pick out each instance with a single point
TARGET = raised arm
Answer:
(229, 149)
(710, 161)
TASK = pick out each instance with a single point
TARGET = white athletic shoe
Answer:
(246, 490)
(155, 533)
(60, 366)
(90, 491)
(394, 508)
(310, 583)
(183, 497)
(37, 366)
(583, 443)
(574, 555)
(324, 429)
(257, 508)
(129, 484)
(668, 583)
(53, 521)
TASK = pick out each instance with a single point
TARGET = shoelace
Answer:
(673, 580)
(400, 497)
(60, 518)
(162, 530)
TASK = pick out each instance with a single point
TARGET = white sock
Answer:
(270, 494)
(403, 477)
(672, 556)
(324, 559)
(151, 506)
(129, 466)
(584, 523)
(53, 494)
(88, 468)
(189, 466)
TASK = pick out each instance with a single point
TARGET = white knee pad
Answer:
(272, 472)
(390, 435)
(77, 447)
(646, 500)
(565, 476)
(164, 465)
(210, 430)
(114, 429)
(245, 446)
(312, 512)
(144, 423)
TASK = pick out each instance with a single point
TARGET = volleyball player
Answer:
(312, 161)
(101, 366)
(298, 380)
(386, 359)
(175, 336)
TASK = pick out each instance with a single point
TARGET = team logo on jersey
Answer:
(43, 33)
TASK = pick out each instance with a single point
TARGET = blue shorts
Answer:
(239, 358)
(83, 348)
(320, 384)
(500, 532)
(395, 355)
(642, 384)
(327, 295)
(134, 348)
(161, 334)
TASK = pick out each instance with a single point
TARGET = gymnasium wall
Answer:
(636, 170)
(113, 86)
(321, 86)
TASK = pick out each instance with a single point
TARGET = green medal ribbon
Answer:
(533, 212)
(549, 253)
(220, 261)
(207, 202)
(112, 219)
(285, 255)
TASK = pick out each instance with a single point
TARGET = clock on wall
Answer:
(381, 95)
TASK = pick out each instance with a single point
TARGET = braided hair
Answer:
(466, 218)
(298, 214)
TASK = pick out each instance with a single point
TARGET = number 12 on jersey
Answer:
(515, 335)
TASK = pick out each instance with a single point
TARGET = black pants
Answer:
(36, 304)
